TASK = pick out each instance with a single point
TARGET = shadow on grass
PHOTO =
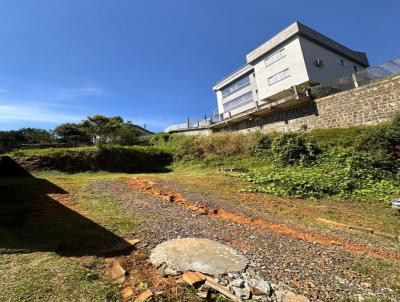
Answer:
(32, 221)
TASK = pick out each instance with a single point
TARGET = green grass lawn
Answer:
(51, 253)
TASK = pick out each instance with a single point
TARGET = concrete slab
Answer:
(201, 255)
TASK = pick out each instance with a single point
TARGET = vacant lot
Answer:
(58, 232)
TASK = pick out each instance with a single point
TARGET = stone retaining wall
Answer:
(366, 105)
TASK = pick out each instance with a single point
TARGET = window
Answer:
(279, 76)
(239, 101)
(341, 62)
(243, 82)
(355, 68)
(275, 57)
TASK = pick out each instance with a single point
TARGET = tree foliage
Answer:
(25, 136)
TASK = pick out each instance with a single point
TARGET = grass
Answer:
(23, 153)
(49, 277)
(52, 272)
(44, 267)
(378, 216)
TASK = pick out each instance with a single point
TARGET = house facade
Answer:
(278, 71)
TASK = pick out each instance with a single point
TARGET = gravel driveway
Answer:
(322, 273)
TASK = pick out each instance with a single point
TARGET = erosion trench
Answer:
(150, 187)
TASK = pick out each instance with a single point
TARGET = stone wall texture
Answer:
(366, 105)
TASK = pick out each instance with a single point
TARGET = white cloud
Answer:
(89, 88)
(32, 113)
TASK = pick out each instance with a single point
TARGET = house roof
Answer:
(233, 75)
(299, 29)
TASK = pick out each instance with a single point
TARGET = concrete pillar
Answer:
(353, 75)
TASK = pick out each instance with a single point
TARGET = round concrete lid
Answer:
(201, 255)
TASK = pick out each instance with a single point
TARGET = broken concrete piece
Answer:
(202, 255)
(144, 296)
(260, 287)
(194, 278)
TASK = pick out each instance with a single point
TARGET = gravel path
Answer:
(322, 273)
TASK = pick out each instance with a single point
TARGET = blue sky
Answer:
(154, 61)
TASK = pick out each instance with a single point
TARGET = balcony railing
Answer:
(205, 123)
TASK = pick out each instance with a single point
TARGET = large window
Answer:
(279, 76)
(243, 82)
(239, 101)
(275, 57)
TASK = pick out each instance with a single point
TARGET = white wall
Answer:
(331, 69)
(293, 60)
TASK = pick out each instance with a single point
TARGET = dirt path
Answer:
(322, 269)
(150, 187)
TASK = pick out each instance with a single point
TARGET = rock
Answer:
(202, 255)
(284, 295)
(127, 293)
(165, 271)
(142, 286)
(260, 287)
(242, 293)
(171, 272)
(202, 291)
(238, 283)
(121, 247)
(193, 278)
(117, 272)
(144, 296)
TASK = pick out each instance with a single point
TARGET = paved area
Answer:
(196, 254)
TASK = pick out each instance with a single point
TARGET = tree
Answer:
(25, 136)
(128, 134)
(36, 136)
(103, 129)
(75, 134)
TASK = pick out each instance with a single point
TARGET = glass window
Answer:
(243, 82)
(279, 76)
(275, 57)
(239, 101)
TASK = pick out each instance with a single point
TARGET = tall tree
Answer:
(75, 134)
(103, 129)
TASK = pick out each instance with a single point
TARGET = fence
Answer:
(357, 79)
(204, 123)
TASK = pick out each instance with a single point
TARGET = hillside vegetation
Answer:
(359, 163)
(134, 159)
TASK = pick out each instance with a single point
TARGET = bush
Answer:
(294, 148)
(338, 174)
(259, 144)
(113, 159)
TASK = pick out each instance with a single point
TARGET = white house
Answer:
(277, 70)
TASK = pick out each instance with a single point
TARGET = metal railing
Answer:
(357, 79)
(204, 123)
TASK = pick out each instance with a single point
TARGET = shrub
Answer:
(259, 144)
(379, 138)
(113, 159)
(294, 148)
(343, 174)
